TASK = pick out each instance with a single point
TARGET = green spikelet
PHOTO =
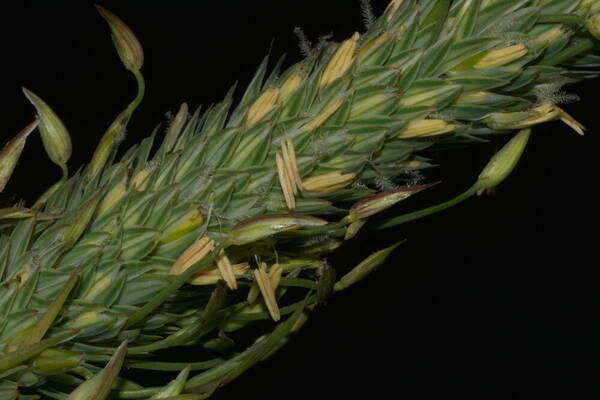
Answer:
(229, 221)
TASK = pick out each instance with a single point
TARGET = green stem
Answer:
(184, 335)
(50, 191)
(569, 19)
(19, 356)
(65, 172)
(138, 394)
(82, 372)
(333, 229)
(215, 373)
(141, 90)
(175, 366)
(114, 133)
(188, 334)
(401, 219)
(283, 310)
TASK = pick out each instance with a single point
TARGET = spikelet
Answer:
(341, 61)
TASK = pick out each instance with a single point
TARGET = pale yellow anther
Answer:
(392, 8)
(537, 115)
(572, 122)
(262, 106)
(274, 277)
(211, 275)
(426, 127)
(525, 119)
(266, 289)
(226, 270)
(253, 293)
(289, 154)
(285, 182)
(287, 169)
(324, 115)
(329, 182)
(341, 61)
(196, 252)
(543, 113)
(500, 57)
(289, 86)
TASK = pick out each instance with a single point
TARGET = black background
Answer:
(492, 299)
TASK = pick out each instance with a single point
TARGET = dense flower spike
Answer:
(231, 218)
